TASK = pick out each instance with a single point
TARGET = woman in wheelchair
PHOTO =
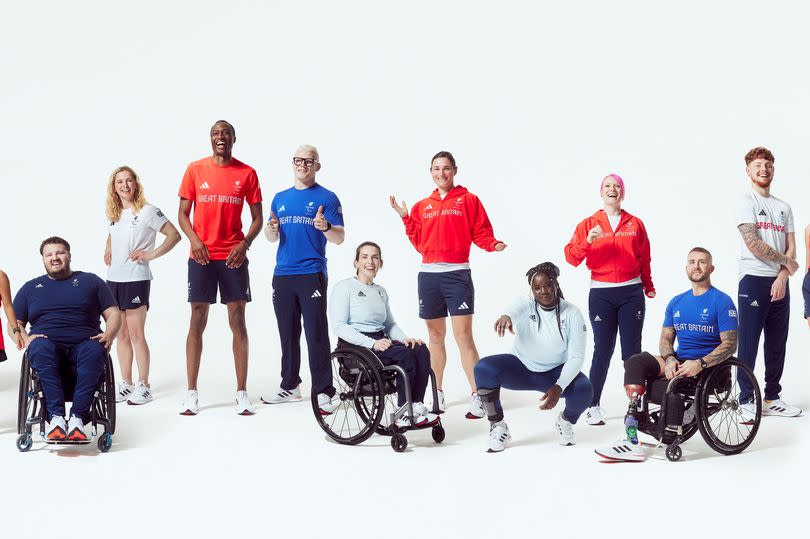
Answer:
(704, 322)
(547, 355)
(360, 315)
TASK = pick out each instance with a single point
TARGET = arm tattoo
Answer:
(727, 346)
(666, 342)
(759, 248)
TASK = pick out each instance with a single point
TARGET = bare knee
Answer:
(236, 318)
(199, 317)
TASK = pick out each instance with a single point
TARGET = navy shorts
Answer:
(130, 295)
(806, 294)
(447, 292)
(204, 280)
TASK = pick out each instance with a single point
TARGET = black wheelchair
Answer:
(31, 405)
(365, 401)
(673, 410)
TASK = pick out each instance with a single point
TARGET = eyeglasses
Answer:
(298, 161)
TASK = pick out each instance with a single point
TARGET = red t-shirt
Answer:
(218, 194)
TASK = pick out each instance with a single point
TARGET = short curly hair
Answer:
(760, 152)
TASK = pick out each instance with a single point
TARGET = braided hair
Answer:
(552, 272)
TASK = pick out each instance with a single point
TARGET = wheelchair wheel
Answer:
(24, 442)
(399, 442)
(23, 402)
(438, 433)
(674, 453)
(105, 442)
(358, 399)
(107, 396)
(720, 412)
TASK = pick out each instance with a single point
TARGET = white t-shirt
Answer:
(538, 343)
(133, 233)
(774, 221)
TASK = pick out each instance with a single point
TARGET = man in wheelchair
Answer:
(704, 322)
(63, 308)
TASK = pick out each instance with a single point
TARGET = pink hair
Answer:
(618, 179)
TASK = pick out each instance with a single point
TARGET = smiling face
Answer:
(56, 259)
(368, 262)
(699, 267)
(611, 192)
(125, 185)
(222, 139)
(444, 173)
(308, 165)
(760, 171)
(544, 291)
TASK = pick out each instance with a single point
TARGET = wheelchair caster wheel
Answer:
(438, 434)
(105, 442)
(399, 442)
(674, 453)
(24, 442)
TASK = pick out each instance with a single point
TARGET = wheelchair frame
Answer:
(370, 378)
(31, 407)
(698, 393)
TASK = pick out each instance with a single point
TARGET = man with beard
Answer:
(63, 308)
(704, 321)
(768, 258)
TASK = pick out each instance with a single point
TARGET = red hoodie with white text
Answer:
(619, 255)
(442, 229)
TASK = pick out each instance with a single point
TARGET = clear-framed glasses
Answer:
(298, 161)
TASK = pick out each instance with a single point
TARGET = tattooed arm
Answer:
(762, 250)
(666, 344)
(724, 350)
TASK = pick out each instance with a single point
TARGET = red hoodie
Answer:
(442, 230)
(616, 257)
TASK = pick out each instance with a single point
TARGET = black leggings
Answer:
(641, 369)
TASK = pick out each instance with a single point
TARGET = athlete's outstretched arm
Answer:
(198, 249)
(762, 250)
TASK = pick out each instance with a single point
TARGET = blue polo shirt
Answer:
(68, 311)
(302, 247)
(698, 321)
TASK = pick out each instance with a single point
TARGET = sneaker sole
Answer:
(470, 415)
(246, 412)
(188, 412)
(780, 414)
(299, 399)
(597, 424)
(133, 403)
(613, 458)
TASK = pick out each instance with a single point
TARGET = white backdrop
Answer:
(537, 102)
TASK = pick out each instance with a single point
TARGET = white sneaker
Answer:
(190, 404)
(123, 391)
(422, 417)
(748, 413)
(140, 395)
(595, 416)
(284, 395)
(325, 405)
(76, 430)
(498, 437)
(476, 410)
(780, 408)
(622, 450)
(566, 430)
(441, 406)
(242, 403)
(56, 429)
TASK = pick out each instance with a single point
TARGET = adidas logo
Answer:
(361, 294)
(136, 299)
(762, 212)
(677, 314)
(429, 207)
(754, 303)
(40, 285)
(597, 319)
(463, 306)
(205, 186)
(282, 208)
(317, 294)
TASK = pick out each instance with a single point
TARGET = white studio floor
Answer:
(276, 472)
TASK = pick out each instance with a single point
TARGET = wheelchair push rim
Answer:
(720, 413)
(358, 401)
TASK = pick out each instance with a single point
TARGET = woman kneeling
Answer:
(548, 352)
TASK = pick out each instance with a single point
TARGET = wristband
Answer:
(666, 357)
(16, 329)
(328, 226)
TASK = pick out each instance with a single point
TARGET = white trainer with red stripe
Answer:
(622, 450)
